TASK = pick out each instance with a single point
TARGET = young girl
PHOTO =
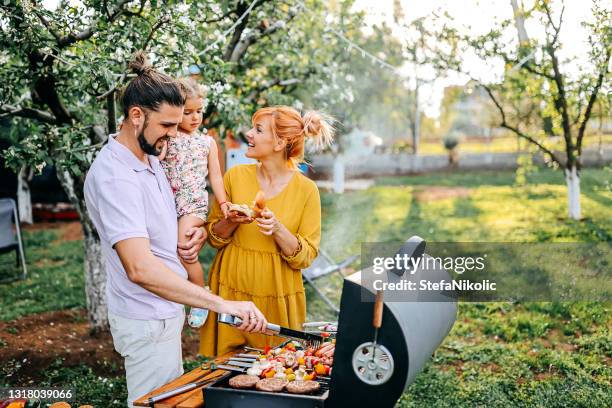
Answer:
(187, 159)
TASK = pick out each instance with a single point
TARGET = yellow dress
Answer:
(250, 266)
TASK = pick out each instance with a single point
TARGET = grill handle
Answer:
(378, 310)
(271, 328)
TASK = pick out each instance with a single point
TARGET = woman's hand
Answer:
(268, 223)
(238, 218)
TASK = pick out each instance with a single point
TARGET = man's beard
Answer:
(147, 147)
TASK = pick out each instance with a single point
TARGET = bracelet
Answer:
(297, 250)
(211, 231)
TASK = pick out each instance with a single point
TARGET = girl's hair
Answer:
(191, 88)
(287, 124)
(149, 88)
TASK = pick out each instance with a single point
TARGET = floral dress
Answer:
(186, 166)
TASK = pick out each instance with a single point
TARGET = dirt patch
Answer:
(456, 365)
(556, 340)
(36, 341)
(492, 367)
(566, 347)
(542, 376)
(68, 231)
(72, 231)
(435, 193)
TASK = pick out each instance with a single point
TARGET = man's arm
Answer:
(145, 269)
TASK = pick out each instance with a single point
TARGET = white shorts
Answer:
(151, 350)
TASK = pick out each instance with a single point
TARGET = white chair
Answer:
(322, 266)
(10, 235)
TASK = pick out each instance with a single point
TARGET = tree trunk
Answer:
(95, 279)
(519, 21)
(24, 199)
(417, 120)
(572, 179)
(453, 158)
(95, 268)
(338, 174)
(110, 113)
(600, 151)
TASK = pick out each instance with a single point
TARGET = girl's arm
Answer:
(164, 150)
(215, 177)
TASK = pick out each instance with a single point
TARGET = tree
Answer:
(54, 64)
(538, 98)
(63, 69)
(359, 90)
(415, 35)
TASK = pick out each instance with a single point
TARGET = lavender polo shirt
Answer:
(128, 199)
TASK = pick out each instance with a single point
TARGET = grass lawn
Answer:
(498, 354)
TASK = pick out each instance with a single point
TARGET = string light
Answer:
(229, 30)
(350, 44)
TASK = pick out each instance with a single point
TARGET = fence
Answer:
(388, 164)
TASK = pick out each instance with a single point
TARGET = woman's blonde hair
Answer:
(287, 124)
(191, 88)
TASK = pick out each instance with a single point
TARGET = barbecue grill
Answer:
(367, 372)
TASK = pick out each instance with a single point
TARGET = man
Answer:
(131, 204)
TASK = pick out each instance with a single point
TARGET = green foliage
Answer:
(91, 389)
(55, 277)
(57, 63)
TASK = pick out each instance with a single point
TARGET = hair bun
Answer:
(319, 128)
(312, 123)
(139, 64)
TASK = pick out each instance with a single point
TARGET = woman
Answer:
(261, 259)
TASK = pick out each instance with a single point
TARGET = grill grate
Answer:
(321, 393)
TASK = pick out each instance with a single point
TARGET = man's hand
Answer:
(253, 321)
(189, 250)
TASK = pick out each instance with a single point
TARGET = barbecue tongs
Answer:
(272, 329)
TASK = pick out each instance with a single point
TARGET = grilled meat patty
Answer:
(271, 384)
(243, 381)
(303, 387)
